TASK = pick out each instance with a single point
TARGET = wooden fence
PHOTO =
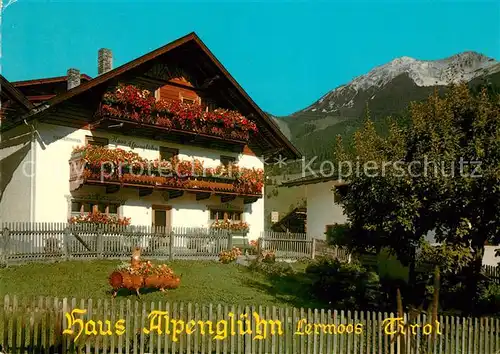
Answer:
(36, 326)
(492, 272)
(21, 242)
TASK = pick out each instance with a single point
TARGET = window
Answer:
(227, 160)
(188, 100)
(79, 207)
(96, 141)
(167, 153)
(229, 215)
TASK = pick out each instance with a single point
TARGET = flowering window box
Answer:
(129, 103)
(99, 165)
(236, 228)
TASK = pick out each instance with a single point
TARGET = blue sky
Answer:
(286, 55)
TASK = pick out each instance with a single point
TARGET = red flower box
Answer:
(126, 167)
(131, 103)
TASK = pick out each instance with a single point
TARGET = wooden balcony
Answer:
(173, 186)
(130, 127)
(128, 109)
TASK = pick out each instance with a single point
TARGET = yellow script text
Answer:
(91, 328)
(304, 328)
(395, 325)
(161, 323)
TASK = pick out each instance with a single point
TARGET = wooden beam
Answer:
(175, 194)
(208, 82)
(96, 123)
(112, 189)
(143, 192)
(249, 200)
(227, 198)
(272, 152)
(174, 190)
(203, 195)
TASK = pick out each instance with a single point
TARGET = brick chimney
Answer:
(104, 61)
(73, 78)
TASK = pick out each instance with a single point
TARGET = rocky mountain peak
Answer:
(459, 67)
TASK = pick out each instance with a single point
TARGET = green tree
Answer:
(440, 173)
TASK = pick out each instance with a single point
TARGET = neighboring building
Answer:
(323, 211)
(45, 180)
(40, 90)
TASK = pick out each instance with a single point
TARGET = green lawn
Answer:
(202, 282)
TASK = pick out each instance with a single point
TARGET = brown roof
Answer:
(313, 180)
(290, 150)
(47, 80)
(15, 94)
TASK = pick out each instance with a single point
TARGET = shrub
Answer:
(489, 298)
(253, 247)
(229, 256)
(338, 235)
(344, 285)
(268, 256)
(279, 269)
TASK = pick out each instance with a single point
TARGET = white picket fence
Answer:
(21, 242)
(37, 325)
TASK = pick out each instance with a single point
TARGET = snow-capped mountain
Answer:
(387, 90)
(424, 73)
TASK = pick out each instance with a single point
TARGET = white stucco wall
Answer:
(489, 251)
(16, 182)
(489, 256)
(322, 209)
(52, 178)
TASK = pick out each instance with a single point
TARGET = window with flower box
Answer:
(227, 160)
(229, 215)
(85, 207)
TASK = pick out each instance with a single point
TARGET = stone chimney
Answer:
(104, 61)
(73, 78)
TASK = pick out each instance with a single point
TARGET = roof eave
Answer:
(293, 152)
(15, 93)
(315, 180)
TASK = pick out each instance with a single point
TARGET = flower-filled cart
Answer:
(143, 274)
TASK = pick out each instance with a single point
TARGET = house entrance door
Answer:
(162, 218)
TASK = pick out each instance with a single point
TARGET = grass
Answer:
(202, 282)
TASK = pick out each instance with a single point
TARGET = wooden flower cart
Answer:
(143, 275)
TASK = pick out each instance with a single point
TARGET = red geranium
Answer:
(99, 218)
(130, 102)
(129, 167)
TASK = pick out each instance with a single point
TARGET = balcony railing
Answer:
(117, 168)
(133, 105)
